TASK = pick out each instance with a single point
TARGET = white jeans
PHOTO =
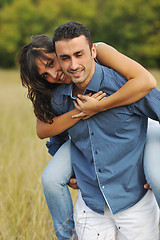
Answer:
(140, 222)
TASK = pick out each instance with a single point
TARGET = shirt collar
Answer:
(93, 86)
(67, 89)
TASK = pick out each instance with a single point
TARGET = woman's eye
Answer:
(51, 64)
(44, 75)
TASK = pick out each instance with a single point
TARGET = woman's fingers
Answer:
(76, 105)
(79, 115)
(98, 96)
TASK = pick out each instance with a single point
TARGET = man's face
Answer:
(76, 59)
(50, 69)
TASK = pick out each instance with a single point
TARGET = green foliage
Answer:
(133, 27)
(4, 2)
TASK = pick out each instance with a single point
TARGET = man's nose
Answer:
(74, 64)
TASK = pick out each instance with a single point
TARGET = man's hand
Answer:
(147, 186)
(73, 183)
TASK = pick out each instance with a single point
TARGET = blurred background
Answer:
(132, 27)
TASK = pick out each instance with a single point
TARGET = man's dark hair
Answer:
(70, 30)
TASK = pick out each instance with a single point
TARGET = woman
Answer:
(40, 72)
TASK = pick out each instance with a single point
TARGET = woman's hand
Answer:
(88, 105)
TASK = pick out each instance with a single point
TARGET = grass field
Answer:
(23, 211)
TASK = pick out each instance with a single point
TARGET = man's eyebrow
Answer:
(67, 55)
(78, 52)
(63, 55)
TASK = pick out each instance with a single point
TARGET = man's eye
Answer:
(64, 58)
(79, 55)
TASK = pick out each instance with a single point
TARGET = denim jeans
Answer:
(152, 158)
(54, 180)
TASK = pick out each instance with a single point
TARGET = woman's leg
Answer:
(152, 159)
(54, 180)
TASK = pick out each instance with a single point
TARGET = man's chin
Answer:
(77, 80)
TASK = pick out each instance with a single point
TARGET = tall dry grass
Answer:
(23, 211)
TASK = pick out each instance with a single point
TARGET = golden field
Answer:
(23, 211)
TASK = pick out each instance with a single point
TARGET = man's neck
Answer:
(77, 90)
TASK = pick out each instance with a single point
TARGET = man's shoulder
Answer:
(109, 72)
(112, 77)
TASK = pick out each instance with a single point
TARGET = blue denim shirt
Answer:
(107, 149)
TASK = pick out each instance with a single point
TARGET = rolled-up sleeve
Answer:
(148, 106)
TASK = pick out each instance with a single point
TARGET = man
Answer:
(108, 146)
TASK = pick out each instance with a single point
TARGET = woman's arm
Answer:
(140, 81)
(110, 57)
(60, 124)
(63, 122)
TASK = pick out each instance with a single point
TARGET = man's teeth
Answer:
(77, 72)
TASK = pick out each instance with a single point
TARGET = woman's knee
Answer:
(47, 180)
(59, 169)
(54, 179)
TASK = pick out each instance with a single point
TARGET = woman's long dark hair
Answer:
(39, 90)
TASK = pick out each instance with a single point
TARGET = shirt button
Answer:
(103, 187)
(96, 152)
(92, 133)
(99, 170)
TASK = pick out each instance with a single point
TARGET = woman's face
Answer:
(50, 70)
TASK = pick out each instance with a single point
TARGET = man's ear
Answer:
(93, 50)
